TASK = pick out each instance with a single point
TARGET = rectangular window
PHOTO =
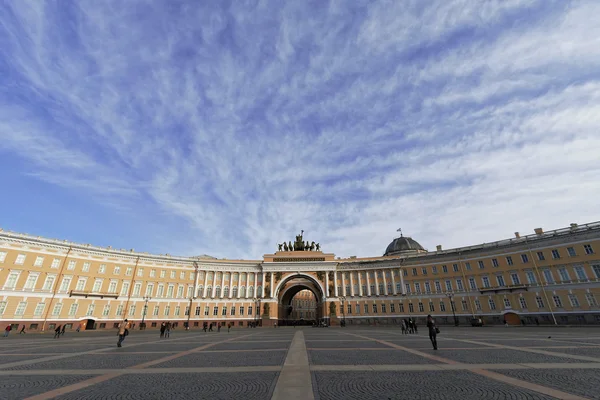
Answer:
(129, 271)
(155, 311)
(438, 286)
(431, 307)
(588, 249)
(468, 266)
(530, 277)
(102, 269)
(374, 308)
(574, 300)
(477, 304)
(539, 301)
(486, 282)
(472, 283)
(119, 310)
(459, 285)
(383, 309)
(125, 289)
(31, 280)
(2, 256)
(207, 310)
(557, 301)
(140, 272)
(170, 291)
(73, 309)
(112, 287)
(38, 261)
(21, 308)
(224, 310)
(555, 254)
(515, 278)
(548, 276)
(11, 281)
(177, 310)
(106, 310)
(71, 265)
(591, 300)
(163, 273)
(509, 260)
(492, 304)
(444, 268)
(172, 275)
(357, 308)
(465, 306)
(55, 263)
(434, 269)
(153, 274)
(39, 309)
(427, 287)
(481, 265)
(580, 272)
(20, 260)
(117, 270)
(524, 258)
(449, 286)
(182, 275)
(564, 275)
(540, 256)
(86, 267)
(180, 291)
(392, 308)
(49, 284)
(596, 268)
(401, 307)
(571, 252)
(215, 310)
(455, 267)
(407, 287)
(167, 311)
(442, 306)
(507, 303)
(522, 302)
(381, 291)
(411, 307)
(149, 289)
(424, 271)
(417, 287)
(500, 280)
(137, 287)
(132, 310)
(97, 286)
(421, 307)
(495, 262)
(92, 307)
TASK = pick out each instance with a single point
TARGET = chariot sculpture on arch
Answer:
(299, 244)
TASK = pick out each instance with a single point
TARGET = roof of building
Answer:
(403, 244)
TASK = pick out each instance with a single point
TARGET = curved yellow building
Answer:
(546, 278)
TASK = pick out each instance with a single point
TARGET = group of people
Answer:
(209, 327)
(165, 329)
(60, 330)
(409, 326)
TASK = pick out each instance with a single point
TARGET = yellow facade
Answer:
(548, 277)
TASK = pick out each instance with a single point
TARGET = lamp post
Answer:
(451, 296)
(146, 300)
(343, 299)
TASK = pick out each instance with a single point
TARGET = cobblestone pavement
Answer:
(333, 363)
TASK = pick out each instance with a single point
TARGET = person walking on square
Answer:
(415, 326)
(57, 332)
(163, 327)
(7, 330)
(22, 330)
(62, 332)
(168, 331)
(210, 327)
(204, 326)
(432, 331)
(123, 331)
(228, 327)
(219, 327)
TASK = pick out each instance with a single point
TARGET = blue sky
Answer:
(225, 128)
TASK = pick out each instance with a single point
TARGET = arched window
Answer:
(209, 291)
(226, 291)
(251, 291)
(243, 291)
(259, 290)
(199, 291)
(218, 291)
(234, 291)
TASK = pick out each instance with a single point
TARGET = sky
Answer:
(225, 128)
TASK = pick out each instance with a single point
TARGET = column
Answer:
(402, 282)
(394, 282)
(327, 284)
(222, 284)
(214, 286)
(368, 284)
(335, 285)
(360, 291)
(352, 284)
(239, 294)
(255, 274)
(195, 294)
(344, 284)
(376, 284)
(264, 276)
(205, 283)
(385, 290)
(272, 284)
(231, 284)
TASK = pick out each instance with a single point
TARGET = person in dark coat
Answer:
(57, 332)
(432, 331)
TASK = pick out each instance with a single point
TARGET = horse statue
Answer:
(280, 246)
(318, 246)
(285, 246)
(312, 246)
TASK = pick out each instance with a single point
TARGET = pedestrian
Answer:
(505, 322)
(57, 332)
(228, 327)
(22, 330)
(433, 331)
(7, 330)
(204, 326)
(403, 326)
(415, 326)
(210, 327)
(62, 332)
(123, 331)
(168, 331)
(78, 328)
(219, 327)
(537, 321)
(163, 327)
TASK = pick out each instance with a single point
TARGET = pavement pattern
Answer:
(305, 363)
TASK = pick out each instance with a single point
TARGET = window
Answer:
(128, 271)
(507, 303)
(224, 310)
(515, 278)
(234, 292)
(472, 283)
(557, 301)
(155, 311)
(207, 310)
(182, 275)
(374, 308)
(421, 307)
(152, 273)
(539, 301)
(468, 266)
(431, 307)
(509, 260)
(20, 259)
(120, 310)
(486, 282)
(225, 291)
(434, 269)
(92, 307)
(417, 287)
(167, 311)
(55, 263)
(444, 268)
(383, 309)
(172, 275)
(170, 291)
(215, 310)
(392, 308)
(117, 270)
(564, 275)
(524, 258)
(137, 287)
(523, 302)
(459, 285)
(71, 265)
(112, 287)
(455, 267)
(97, 285)
(548, 276)
(530, 277)
(86, 267)
(424, 271)
(180, 291)
(427, 287)
(540, 256)
(31, 280)
(125, 289)
(381, 291)
(442, 306)
(49, 284)
(596, 268)
(177, 310)
(102, 268)
(495, 262)
(39, 309)
(11, 281)
(492, 304)
(38, 261)
(401, 307)
(232, 310)
(411, 307)
(555, 254)
(591, 300)
(132, 310)
(408, 286)
(465, 306)
(449, 286)
(586, 247)
(106, 310)
(21, 308)
(573, 300)
(163, 273)
(149, 289)
(481, 265)
(73, 309)
(580, 272)
(500, 280)
(477, 304)
(438, 286)
(571, 252)
(2, 256)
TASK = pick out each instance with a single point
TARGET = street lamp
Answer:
(450, 296)
(146, 300)
(343, 299)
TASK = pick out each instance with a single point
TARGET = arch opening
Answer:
(308, 306)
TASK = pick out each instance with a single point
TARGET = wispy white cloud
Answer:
(461, 122)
